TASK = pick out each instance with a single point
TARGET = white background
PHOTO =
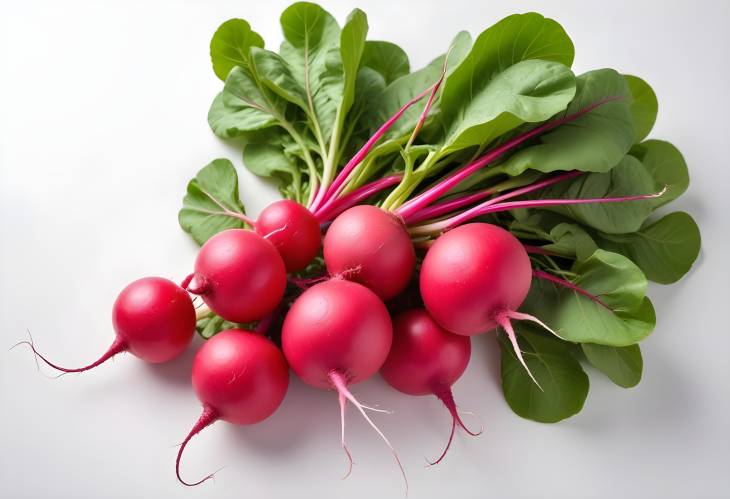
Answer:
(103, 122)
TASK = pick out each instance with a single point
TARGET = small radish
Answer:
(371, 246)
(240, 377)
(474, 278)
(425, 359)
(239, 275)
(154, 319)
(338, 333)
(293, 230)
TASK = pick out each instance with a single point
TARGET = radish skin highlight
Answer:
(240, 377)
(154, 320)
(425, 359)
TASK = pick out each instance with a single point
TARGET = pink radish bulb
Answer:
(293, 230)
(335, 334)
(241, 378)
(474, 278)
(239, 275)
(371, 246)
(425, 359)
(154, 319)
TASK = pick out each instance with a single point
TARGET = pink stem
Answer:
(428, 197)
(445, 207)
(477, 210)
(567, 284)
(117, 346)
(538, 250)
(208, 417)
(334, 206)
(337, 185)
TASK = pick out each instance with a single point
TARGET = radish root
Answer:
(118, 346)
(340, 384)
(445, 395)
(206, 419)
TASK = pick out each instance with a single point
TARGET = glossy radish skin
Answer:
(239, 275)
(240, 377)
(424, 357)
(154, 319)
(336, 325)
(293, 230)
(371, 246)
(335, 334)
(471, 275)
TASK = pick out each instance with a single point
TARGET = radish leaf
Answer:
(230, 46)
(623, 365)
(644, 106)
(666, 165)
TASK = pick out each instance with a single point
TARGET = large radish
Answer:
(293, 230)
(474, 278)
(239, 274)
(240, 377)
(338, 333)
(153, 318)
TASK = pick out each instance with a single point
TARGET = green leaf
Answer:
(211, 325)
(352, 45)
(528, 91)
(386, 58)
(564, 383)
(627, 178)
(595, 142)
(572, 240)
(664, 250)
(242, 108)
(666, 165)
(270, 161)
(644, 106)
(623, 365)
(474, 105)
(311, 33)
(212, 202)
(274, 72)
(230, 46)
(622, 316)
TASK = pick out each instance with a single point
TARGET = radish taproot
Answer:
(339, 333)
(425, 359)
(240, 377)
(474, 278)
(239, 274)
(154, 319)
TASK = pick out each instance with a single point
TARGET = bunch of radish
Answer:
(318, 287)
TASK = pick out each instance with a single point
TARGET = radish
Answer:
(371, 246)
(335, 334)
(239, 275)
(240, 377)
(154, 319)
(293, 230)
(474, 278)
(426, 359)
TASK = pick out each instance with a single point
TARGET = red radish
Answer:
(371, 246)
(425, 359)
(154, 319)
(474, 278)
(338, 333)
(239, 274)
(293, 230)
(240, 377)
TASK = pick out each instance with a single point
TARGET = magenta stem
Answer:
(334, 206)
(206, 419)
(538, 250)
(480, 208)
(445, 207)
(435, 192)
(567, 284)
(339, 181)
